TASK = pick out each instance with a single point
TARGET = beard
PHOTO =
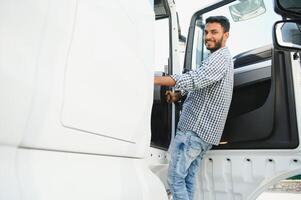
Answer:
(217, 45)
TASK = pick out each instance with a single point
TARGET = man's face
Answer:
(215, 37)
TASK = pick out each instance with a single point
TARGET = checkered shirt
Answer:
(209, 89)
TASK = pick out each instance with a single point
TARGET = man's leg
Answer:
(191, 177)
(176, 170)
(197, 150)
(180, 162)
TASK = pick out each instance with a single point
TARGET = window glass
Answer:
(249, 29)
(197, 44)
(161, 44)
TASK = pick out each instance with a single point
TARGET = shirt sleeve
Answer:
(212, 70)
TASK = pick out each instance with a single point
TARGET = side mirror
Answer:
(287, 35)
(288, 8)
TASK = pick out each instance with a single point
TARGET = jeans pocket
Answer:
(195, 148)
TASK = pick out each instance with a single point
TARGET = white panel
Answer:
(244, 174)
(46, 175)
(44, 128)
(21, 28)
(9, 185)
(109, 73)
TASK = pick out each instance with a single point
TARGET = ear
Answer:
(226, 35)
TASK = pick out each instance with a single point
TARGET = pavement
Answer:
(284, 190)
(279, 196)
(289, 186)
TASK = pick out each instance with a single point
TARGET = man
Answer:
(205, 109)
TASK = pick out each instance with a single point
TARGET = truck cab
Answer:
(81, 119)
(261, 142)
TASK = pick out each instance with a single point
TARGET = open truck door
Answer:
(261, 142)
(167, 45)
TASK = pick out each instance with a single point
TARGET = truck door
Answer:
(261, 142)
(169, 44)
(161, 111)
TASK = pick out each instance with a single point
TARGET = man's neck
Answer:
(212, 51)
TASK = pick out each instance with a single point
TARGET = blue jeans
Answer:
(187, 150)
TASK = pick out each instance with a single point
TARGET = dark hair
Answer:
(223, 21)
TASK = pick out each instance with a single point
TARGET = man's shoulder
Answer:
(225, 51)
(222, 53)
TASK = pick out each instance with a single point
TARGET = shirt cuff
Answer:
(184, 92)
(175, 77)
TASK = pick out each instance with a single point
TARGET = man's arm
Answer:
(164, 81)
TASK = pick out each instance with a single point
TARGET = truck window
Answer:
(161, 35)
(161, 44)
(245, 35)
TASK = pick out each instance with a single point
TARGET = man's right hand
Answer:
(172, 97)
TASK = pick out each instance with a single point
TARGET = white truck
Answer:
(78, 117)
